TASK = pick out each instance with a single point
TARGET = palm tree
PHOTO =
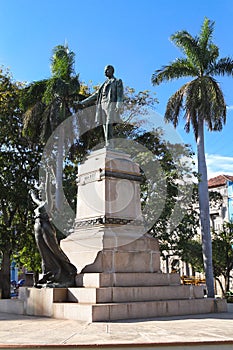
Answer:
(202, 103)
(49, 102)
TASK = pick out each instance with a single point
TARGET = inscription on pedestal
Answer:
(89, 177)
(108, 187)
(98, 175)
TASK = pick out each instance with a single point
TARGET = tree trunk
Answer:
(204, 211)
(227, 280)
(221, 286)
(5, 275)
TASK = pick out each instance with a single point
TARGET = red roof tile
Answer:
(219, 180)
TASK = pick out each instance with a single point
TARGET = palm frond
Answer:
(224, 66)
(62, 62)
(50, 119)
(189, 45)
(209, 52)
(174, 106)
(185, 41)
(218, 106)
(206, 34)
(204, 99)
(74, 86)
(32, 121)
(191, 105)
(208, 57)
(178, 69)
(32, 93)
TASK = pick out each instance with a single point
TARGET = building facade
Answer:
(219, 214)
(220, 211)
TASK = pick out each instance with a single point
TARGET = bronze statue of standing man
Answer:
(108, 99)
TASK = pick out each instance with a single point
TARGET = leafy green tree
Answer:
(165, 191)
(28, 257)
(202, 103)
(223, 255)
(178, 222)
(190, 251)
(188, 246)
(18, 168)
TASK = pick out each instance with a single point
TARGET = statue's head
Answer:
(109, 71)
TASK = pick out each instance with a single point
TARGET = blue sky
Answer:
(132, 35)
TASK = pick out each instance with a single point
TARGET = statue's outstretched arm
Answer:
(36, 200)
(89, 100)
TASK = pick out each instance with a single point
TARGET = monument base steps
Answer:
(95, 301)
(136, 310)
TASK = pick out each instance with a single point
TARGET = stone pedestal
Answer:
(109, 231)
(105, 255)
(108, 189)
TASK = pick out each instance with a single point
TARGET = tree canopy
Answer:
(18, 168)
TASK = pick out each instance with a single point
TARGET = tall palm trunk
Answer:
(204, 210)
(59, 171)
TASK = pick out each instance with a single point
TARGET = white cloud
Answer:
(218, 165)
(230, 108)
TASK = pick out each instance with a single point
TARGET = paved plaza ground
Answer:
(19, 330)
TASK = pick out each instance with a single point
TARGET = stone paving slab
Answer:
(38, 331)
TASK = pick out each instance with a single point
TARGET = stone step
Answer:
(133, 294)
(14, 306)
(136, 310)
(125, 279)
